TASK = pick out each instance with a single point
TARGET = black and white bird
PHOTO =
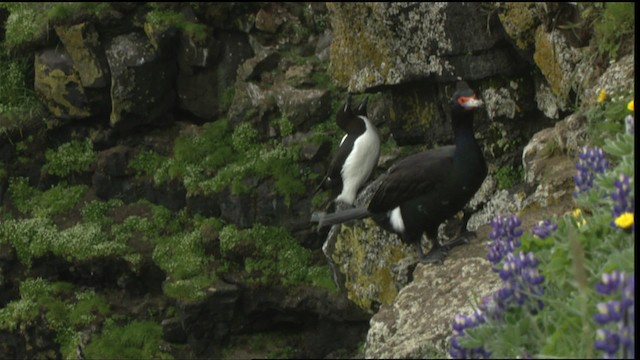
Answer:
(356, 156)
(421, 191)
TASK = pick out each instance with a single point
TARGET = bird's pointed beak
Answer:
(347, 104)
(363, 104)
(473, 103)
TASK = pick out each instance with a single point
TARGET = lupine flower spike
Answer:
(521, 280)
(623, 204)
(591, 161)
(460, 324)
(505, 234)
(544, 229)
(616, 341)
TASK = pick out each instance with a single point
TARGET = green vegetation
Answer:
(69, 158)
(59, 199)
(182, 257)
(221, 157)
(30, 21)
(227, 99)
(96, 212)
(615, 27)
(595, 239)
(35, 237)
(284, 126)
(507, 176)
(135, 340)
(17, 98)
(169, 18)
(59, 305)
(605, 119)
(271, 255)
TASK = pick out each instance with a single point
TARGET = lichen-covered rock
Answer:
(377, 44)
(520, 20)
(548, 160)
(557, 61)
(548, 102)
(418, 323)
(303, 107)
(141, 82)
(374, 263)
(617, 80)
(500, 102)
(59, 86)
(83, 46)
(371, 265)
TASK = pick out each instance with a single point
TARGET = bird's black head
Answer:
(349, 120)
(464, 99)
(344, 114)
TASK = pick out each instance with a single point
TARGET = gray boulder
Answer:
(378, 44)
(141, 83)
(204, 81)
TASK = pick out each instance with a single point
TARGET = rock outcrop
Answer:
(389, 44)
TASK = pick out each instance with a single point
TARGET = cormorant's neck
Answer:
(462, 124)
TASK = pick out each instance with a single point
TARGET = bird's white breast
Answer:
(360, 162)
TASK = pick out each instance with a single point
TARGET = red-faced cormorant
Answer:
(421, 191)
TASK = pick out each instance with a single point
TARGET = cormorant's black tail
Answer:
(339, 217)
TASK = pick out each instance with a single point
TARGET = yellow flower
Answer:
(580, 220)
(625, 220)
(630, 106)
(602, 96)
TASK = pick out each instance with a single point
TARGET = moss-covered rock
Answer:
(372, 262)
(557, 61)
(83, 46)
(376, 44)
(58, 85)
(520, 21)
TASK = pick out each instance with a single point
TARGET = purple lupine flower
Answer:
(591, 161)
(607, 341)
(492, 307)
(620, 314)
(622, 199)
(505, 234)
(521, 279)
(610, 283)
(544, 229)
(460, 324)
